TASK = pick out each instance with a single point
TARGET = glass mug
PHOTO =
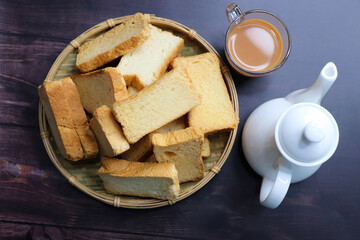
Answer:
(257, 42)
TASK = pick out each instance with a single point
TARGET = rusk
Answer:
(165, 100)
(143, 179)
(215, 113)
(183, 148)
(148, 62)
(108, 132)
(67, 120)
(114, 43)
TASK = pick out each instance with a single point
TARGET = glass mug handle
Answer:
(233, 11)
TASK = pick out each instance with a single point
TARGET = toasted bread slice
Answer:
(215, 113)
(114, 43)
(160, 103)
(183, 148)
(101, 87)
(147, 63)
(67, 120)
(143, 179)
(108, 132)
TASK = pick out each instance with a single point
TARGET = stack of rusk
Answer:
(148, 123)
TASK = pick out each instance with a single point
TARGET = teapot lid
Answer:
(306, 134)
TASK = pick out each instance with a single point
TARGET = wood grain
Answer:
(22, 145)
(18, 101)
(30, 231)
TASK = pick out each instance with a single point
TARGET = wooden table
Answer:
(36, 202)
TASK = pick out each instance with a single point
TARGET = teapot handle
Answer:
(273, 190)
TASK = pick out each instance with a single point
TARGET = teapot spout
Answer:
(317, 91)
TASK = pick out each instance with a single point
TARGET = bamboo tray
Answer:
(83, 175)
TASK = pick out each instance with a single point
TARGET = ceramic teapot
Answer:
(285, 140)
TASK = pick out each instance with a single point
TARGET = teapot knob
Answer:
(314, 132)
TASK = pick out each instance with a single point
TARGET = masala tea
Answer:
(255, 45)
(257, 42)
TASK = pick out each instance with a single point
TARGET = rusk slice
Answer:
(108, 132)
(67, 120)
(183, 148)
(114, 43)
(148, 62)
(143, 179)
(156, 105)
(215, 112)
(101, 87)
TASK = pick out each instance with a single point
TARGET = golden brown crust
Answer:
(102, 112)
(108, 132)
(70, 142)
(113, 53)
(122, 168)
(67, 119)
(146, 179)
(120, 90)
(88, 141)
(135, 82)
(176, 137)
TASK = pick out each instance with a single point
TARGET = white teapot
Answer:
(285, 140)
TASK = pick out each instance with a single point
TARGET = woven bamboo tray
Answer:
(83, 175)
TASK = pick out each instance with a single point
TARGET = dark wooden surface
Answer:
(36, 202)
